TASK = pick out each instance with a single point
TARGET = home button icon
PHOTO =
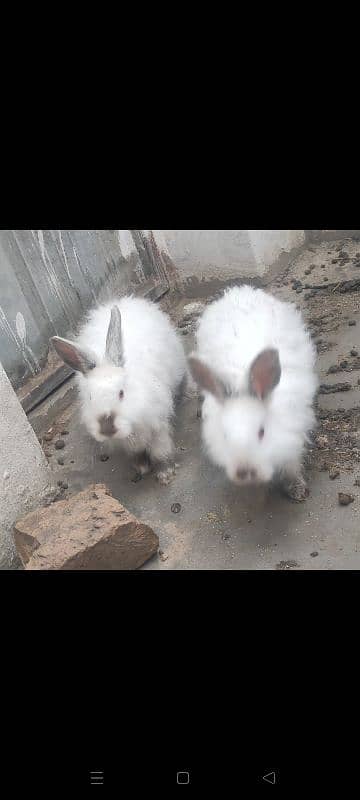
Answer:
(183, 777)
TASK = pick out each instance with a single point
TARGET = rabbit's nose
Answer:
(242, 474)
(107, 425)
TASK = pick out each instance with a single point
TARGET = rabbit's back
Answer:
(245, 321)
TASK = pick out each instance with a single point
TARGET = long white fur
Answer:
(232, 332)
(154, 367)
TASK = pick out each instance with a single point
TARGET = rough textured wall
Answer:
(24, 472)
(227, 254)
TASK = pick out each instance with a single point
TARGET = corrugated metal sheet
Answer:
(50, 278)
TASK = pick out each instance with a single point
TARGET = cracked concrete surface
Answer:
(220, 526)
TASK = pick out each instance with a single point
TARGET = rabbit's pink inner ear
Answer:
(72, 355)
(265, 373)
(206, 379)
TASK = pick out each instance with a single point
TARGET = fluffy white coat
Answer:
(231, 333)
(154, 366)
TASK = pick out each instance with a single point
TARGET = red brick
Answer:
(90, 530)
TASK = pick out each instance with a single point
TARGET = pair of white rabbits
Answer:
(254, 364)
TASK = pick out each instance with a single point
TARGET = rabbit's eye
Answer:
(261, 433)
(121, 394)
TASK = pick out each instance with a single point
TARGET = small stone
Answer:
(104, 457)
(63, 484)
(334, 473)
(61, 461)
(358, 381)
(352, 322)
(162, 556)
(48, 453)
(6, 475)
(192, 310)
(328, 388)
(59, 444)
(48, 437)
(321, 441)
(325, 279)
(333, 368)
(308, 272)
(357, 482)
(354, 352)
(306, 285)
(176, 508)
(64, 433)
(344, 364)
(314, 554)
(345, 499)
(322, 266)
(299, 290)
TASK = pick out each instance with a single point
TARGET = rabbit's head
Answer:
(240, 430)
(106, 410)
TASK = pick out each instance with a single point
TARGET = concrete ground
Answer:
(219, 526)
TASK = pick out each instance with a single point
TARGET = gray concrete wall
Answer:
(24, 473)
(208, 255)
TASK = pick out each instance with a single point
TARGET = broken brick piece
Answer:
(91, 530)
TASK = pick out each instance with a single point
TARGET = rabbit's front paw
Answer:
(165, 476)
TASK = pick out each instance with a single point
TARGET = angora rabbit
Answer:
(255, 365)
(130, 365)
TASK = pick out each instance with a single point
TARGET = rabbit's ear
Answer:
(72, 355)
(207, 379)
(265, 373)
(114, 344)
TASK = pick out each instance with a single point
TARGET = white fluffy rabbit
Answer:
(130, 364)
(255, 365)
